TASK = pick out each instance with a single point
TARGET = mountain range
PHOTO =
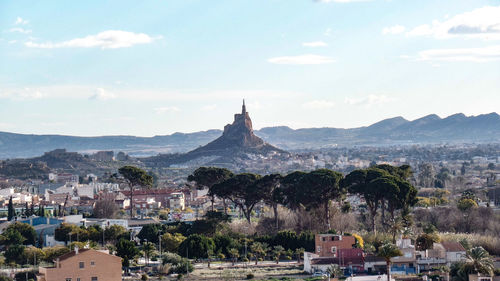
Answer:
(430, 129)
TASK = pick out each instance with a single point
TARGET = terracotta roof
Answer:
(148, 191)
(453, 247)
(70, 254)
(81, 251)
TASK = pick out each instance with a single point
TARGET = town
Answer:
(397, 212)
(275, 140)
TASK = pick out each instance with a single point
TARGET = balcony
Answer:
(431, 261)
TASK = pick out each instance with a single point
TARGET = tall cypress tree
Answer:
(32, 210)
(11, 211)
(27, 210)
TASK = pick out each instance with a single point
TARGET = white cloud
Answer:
(21, 21)
(483, 23)
(20, 30)
(484, 54)
(328, 32)
(368, 101)
(110, 39)
(319, 104)
(101, 94)
(22, 94)
(166, 109)
(302, 59)
(314, 44)
(12, 41)
(396, 29)
(209, 107)
(81, 92)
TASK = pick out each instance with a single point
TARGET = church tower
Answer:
(243, 108)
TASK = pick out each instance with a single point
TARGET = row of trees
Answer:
(383, 187)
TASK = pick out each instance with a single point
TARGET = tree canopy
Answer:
(135, 177)
(240, 189)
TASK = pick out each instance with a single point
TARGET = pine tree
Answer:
(11, 210)
(27, 210)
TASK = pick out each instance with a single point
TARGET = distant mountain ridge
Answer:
(456, 128)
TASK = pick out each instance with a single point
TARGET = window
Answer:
(68, 279)
(92, 263)
(94, 279)
(334, 250)
(78, 279)
(82, 264)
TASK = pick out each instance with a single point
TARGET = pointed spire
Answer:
(243, 108)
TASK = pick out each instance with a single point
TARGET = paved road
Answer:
(244, 264)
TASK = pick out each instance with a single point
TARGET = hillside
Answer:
(456, 128)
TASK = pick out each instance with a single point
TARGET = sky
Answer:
(147, 68)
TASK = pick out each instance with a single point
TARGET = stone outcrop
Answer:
(236, 142)
(237, 137)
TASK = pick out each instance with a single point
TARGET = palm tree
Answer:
(335, 271)
(277, 252)
(480, 260)
(148, 248)
(446, 270)
(235, 254)
(388, 251)
(259, 250)
(299, 252)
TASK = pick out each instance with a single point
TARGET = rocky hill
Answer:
(430, 129)
(237, 141)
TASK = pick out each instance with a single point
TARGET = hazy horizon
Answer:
(254, 127)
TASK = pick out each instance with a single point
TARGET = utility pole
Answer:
(159, 244)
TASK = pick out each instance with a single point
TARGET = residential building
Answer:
(83, 265)
(375, 264)
(328, 244)
(455, 252)
(176, 201)
(405, 264)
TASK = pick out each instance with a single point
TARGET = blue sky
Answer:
(157, 67)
